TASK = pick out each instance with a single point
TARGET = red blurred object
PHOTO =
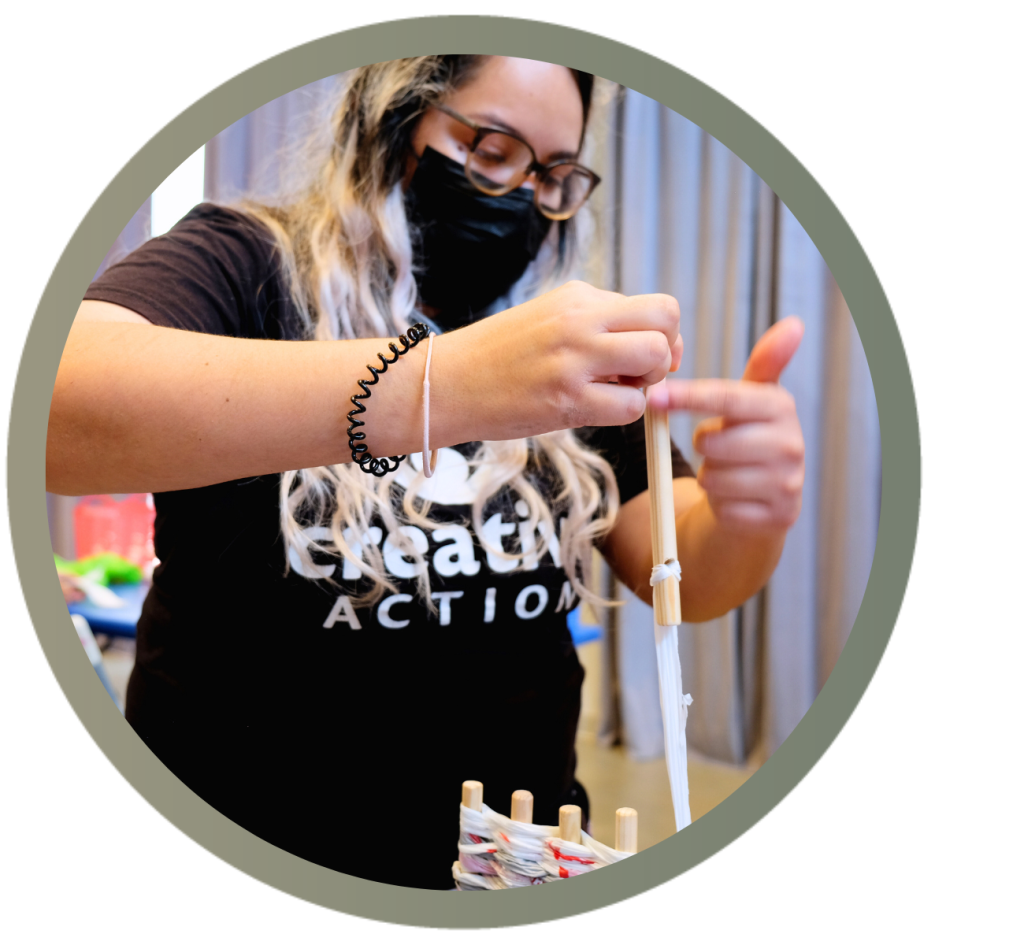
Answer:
(122, 526)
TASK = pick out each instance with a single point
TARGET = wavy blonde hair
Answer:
(346, 252)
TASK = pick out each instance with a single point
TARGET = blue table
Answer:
(114, 621)
(582, 633)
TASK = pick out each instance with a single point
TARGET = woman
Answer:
(325, 655)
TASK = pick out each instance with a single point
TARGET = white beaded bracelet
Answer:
(428, 465)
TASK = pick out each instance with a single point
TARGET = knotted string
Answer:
(662, 572)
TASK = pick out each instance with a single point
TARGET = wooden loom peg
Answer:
(473, 795)
(522, 807)
(626, 824)
(569, 823)
(667, 609)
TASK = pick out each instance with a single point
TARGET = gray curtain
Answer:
(263, 154)
(680, 213)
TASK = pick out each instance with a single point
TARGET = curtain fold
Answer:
(264, 153)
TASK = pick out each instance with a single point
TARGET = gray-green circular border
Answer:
(719, 117)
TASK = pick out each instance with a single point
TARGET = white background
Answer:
(909, 827)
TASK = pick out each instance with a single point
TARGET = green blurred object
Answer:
(105, 569)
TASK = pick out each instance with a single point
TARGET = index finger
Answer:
(734, 400)
(655, 312)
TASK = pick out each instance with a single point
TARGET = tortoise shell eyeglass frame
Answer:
(542, 170)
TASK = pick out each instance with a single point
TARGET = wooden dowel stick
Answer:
(473, 795)
(569, 823)
(522, 807)
(626, 824)
(667, 610)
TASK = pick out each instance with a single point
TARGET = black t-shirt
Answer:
(310, 721)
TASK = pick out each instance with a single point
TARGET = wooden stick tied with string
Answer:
(667, 610)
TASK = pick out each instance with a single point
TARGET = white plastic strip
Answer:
(673, 713)
(469, 881)
(476, 851)
(673, 704)
(520, 854)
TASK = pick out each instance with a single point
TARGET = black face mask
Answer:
(472, 248)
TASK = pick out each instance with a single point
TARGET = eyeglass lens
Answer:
(500, 162)
(563, 190)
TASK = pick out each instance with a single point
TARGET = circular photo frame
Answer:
(900, 446)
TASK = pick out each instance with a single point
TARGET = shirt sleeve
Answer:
(625, 448)
(214, 272)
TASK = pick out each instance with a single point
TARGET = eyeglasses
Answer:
(499, 162)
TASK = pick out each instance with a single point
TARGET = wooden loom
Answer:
(570, 822)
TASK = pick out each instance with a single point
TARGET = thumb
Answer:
(773, 351)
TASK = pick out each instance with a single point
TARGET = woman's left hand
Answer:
(753, 449)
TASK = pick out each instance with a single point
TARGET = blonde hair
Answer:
(346, 253)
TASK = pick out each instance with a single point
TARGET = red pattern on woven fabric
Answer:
(559, 855)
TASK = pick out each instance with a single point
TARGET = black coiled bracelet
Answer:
(360, 451)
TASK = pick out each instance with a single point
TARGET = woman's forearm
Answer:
(138, 408)
(721, 566)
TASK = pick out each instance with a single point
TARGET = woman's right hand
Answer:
(139, 408)
(576, 356)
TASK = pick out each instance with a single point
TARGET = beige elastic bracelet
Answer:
(428, 465)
